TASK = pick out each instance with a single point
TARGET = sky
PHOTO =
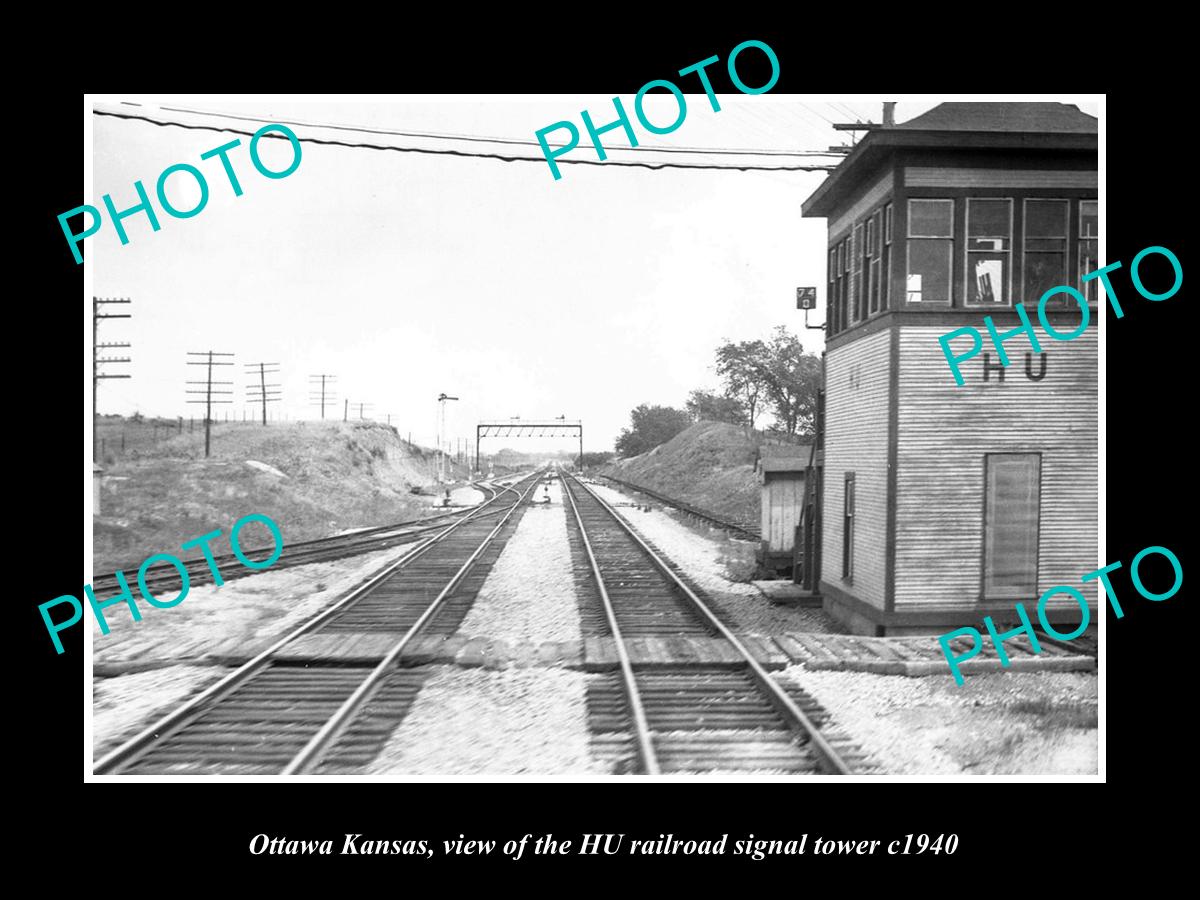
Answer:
(409, 275)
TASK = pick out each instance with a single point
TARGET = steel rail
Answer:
(685, 507)
(301, 553)
(311, 754)
(792, 714)
(641, 724)
(122, 755)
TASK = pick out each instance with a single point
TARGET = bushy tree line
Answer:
(773, 375)
(591, 460)
(650, 426)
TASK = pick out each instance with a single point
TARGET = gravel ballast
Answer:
(154, 664)
(996, 724)
(121, 706)
(238, 619)
(493, 722)
(530, 593)
(700, 555)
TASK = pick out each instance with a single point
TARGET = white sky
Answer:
(407, 275)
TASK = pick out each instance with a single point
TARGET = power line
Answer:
(462, 153)
(317, 393)
(98, 360)
(208, 392)
(262, 392)
(810, 121)
(846, 110)
(817, 112)
(730, 151)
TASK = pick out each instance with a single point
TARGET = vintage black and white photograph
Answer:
(707, 433)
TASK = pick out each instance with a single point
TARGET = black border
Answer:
(1147, 473)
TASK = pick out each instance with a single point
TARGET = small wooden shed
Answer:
(781, 472)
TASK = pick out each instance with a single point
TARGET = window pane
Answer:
(1011, 525)
(885, 286)
(931, 218)
(856, 251)
(1042, 272)
(995, 244)
(864, 292)
(1056, 245)
(1046, 218)
(1089, 247)
(989, 218)
(848, 526)
(887, 223)
(1089, 262)
(1089, 219)
(929, 271)
(875, 279)
(987, 278)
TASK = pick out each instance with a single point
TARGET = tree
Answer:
(651, 426)
(793, 379)
(598, 458)
(743, 367)
(706, 406)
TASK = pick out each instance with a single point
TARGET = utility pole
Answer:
(262, 392)
(320, 391)
(98, 360)
(206, 358)
(346, 411)
(361, 407)
(442, 463)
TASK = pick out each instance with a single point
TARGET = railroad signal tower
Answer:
(443, 461)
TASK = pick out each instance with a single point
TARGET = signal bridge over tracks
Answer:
(516, 427)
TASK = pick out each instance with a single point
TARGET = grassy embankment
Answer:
(710, 466)
(161, 491)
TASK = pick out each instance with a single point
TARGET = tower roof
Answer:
(1041, 118)
(970, 128)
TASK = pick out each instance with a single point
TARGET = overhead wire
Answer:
(817, 112)
(851, 112)
(817, 135)
(733, 151)
(806, 114)
(477, 155)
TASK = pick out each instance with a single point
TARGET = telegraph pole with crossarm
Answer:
(321, 392)
(98, 360)
(208, 358)
(262, 392)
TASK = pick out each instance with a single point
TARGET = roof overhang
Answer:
(873, 151)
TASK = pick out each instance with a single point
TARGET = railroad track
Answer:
(745, 529)
(165, 577)
(691, 717)
(288, 713)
